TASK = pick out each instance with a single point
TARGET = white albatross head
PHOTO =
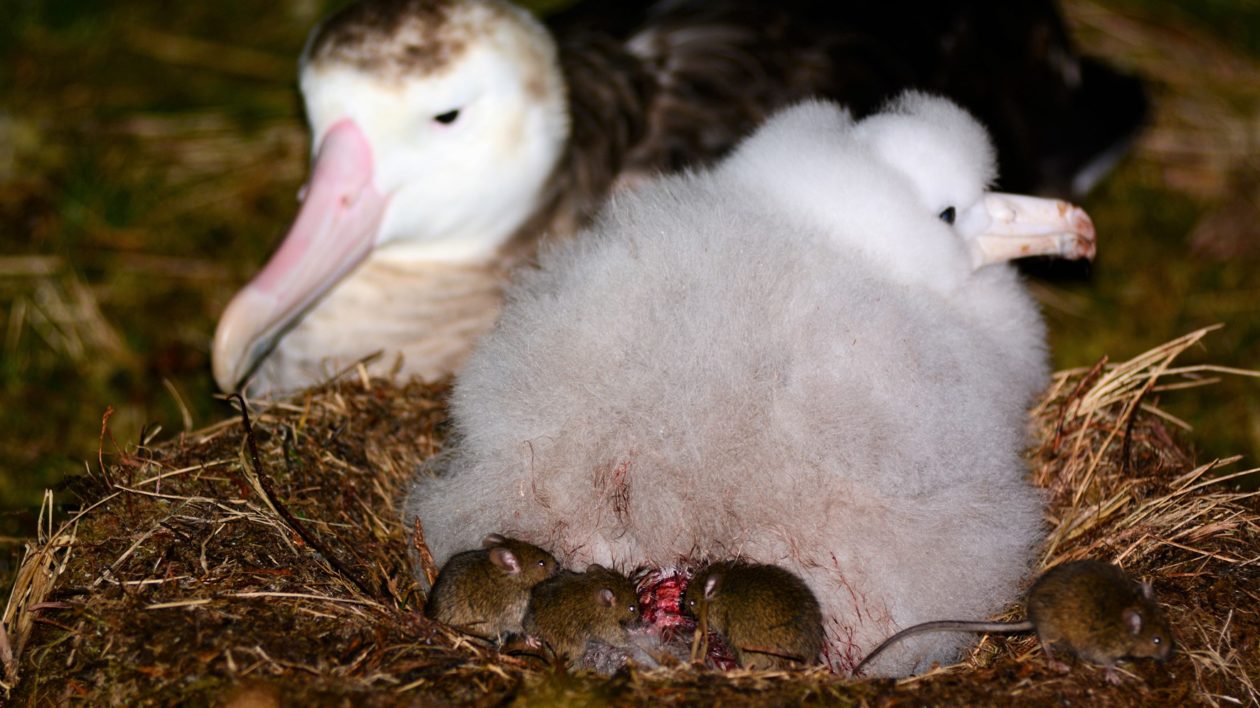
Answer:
(913, 193)
(435, 126)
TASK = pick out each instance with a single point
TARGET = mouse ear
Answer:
(606, 597)
(596, 568)
(712, 585)
(505, 559)
(1133, 620)
(492, 540)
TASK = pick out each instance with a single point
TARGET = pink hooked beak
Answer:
(334, 231)
(1021, 226)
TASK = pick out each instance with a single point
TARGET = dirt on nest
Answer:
(194, 575)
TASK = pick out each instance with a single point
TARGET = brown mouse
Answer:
(1092, 609)
(572, 609)
(485, 591)
(768, 616)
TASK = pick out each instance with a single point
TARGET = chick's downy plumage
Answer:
(801, 356)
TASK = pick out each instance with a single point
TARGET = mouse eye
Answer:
(948, 215)
(447, 118)
(1157, 640)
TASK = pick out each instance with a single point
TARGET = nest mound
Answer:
(205, 572)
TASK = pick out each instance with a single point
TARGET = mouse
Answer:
(768, 615)
(1088, 608)
(485, 591)
(569, 611)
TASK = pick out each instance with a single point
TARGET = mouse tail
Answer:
(945, 626)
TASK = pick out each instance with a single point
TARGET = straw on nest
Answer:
(197, 574)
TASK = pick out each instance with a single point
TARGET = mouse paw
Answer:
(1061, 666)
(1112, 677)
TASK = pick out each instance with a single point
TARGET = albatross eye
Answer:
(447, 118)
(948, 215)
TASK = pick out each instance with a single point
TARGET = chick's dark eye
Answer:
(447, 118)
(948, 215)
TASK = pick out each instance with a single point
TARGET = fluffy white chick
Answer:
(794, 357)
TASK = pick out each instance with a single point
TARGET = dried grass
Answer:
(1207, 96)
(1205, 133)
(49, 300)
(200, 574)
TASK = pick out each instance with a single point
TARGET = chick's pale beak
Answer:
(334, 231)
(1021, 226)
